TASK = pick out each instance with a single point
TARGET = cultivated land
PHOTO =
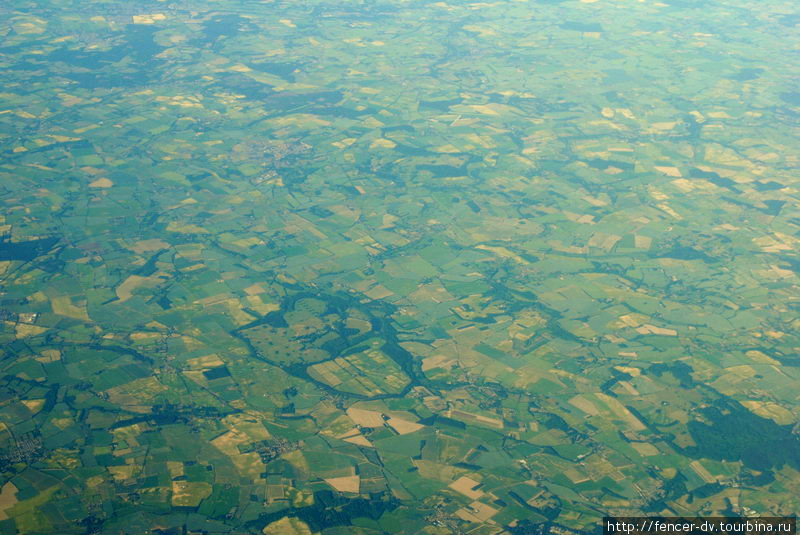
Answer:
(396, 267)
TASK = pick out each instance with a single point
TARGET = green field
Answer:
(396, 267)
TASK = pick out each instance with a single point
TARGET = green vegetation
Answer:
(396, 267)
